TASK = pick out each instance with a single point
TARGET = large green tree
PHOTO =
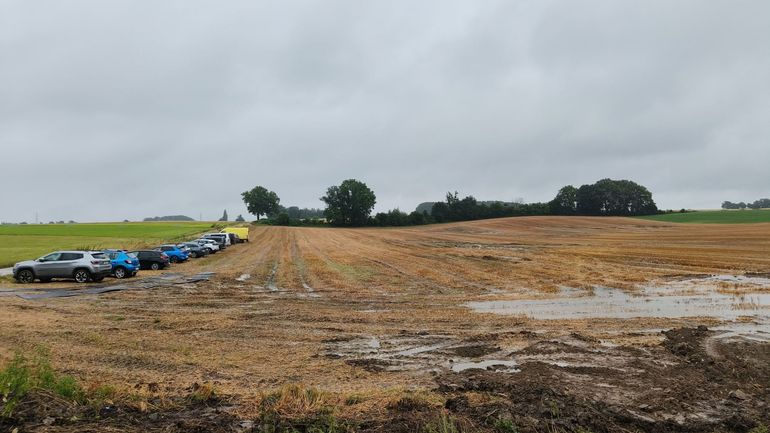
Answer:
(565, 202)
(260, 201)
(349, 204)
(615, 197)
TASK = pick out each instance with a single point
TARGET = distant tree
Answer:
(565, 202)
(239, 218)
(762, 203)
(224, 216)
(615, 197)
(260, 201)
(418, 218)
(169, 218)
(282, 219)
(349, 204)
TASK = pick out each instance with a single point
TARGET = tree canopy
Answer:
(609, 197)
(565, 202)
(349, 204)
(260, 201)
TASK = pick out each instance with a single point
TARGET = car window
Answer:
(113, 256)
(132, 255)
(97, 255)
(51, 257)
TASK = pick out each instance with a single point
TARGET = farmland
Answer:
(715, 217)
(379, 330)
(23, 242)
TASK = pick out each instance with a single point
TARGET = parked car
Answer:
(151, 259)
(194, 250)
(209, 244)
(124, 264)
(175, 255)
(82, 266)
(234, 239)
(221, 238)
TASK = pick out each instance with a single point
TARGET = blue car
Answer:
(124, 264)
(175, 255)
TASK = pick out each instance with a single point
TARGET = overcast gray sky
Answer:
(127, 109)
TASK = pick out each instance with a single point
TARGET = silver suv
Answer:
(82, 266)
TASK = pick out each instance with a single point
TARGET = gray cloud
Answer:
(107, 110)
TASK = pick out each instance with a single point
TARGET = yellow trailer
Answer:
(242, 232)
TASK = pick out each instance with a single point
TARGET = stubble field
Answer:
(539, 324)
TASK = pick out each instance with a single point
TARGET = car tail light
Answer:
(95, 262)
(129, 262)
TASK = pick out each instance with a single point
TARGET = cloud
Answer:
(135, 109)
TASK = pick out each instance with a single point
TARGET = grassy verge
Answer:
(30, 241)
(715, 217)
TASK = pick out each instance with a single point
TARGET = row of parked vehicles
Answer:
(85, 266)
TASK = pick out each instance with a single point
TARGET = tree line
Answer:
(763, 203)
(350, 204)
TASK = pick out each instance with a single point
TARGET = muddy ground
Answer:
(377, 327)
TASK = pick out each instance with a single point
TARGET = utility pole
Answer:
(37, 221)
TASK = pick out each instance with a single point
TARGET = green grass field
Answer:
(715, 217)
(23, 242)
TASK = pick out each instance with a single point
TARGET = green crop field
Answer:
(30, 241)
(716, 217)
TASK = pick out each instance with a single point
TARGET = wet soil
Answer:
(695, 380)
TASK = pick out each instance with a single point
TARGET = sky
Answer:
(129, 109)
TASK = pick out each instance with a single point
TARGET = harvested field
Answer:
(381, 322)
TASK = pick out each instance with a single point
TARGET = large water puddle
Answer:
(680, 300)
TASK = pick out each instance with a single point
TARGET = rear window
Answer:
(100, 256)
(132, 255)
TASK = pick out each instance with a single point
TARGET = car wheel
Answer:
(173, 259)
(25, 276)
(119, 272)
(154, 266)
(82, 275)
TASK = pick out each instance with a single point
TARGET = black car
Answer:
(194, 250)
(149, 259)
(219, 237)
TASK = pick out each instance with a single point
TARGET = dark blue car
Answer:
(123, 264)
(175, 255)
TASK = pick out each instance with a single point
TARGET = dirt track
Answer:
(379, 312)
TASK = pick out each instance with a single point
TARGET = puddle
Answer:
(617, 304)
(741, 280)
(500, 365)
(244, 277)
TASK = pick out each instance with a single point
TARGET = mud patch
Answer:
(408, 351)
(693, 381)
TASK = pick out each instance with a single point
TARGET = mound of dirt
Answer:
(694, 381)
